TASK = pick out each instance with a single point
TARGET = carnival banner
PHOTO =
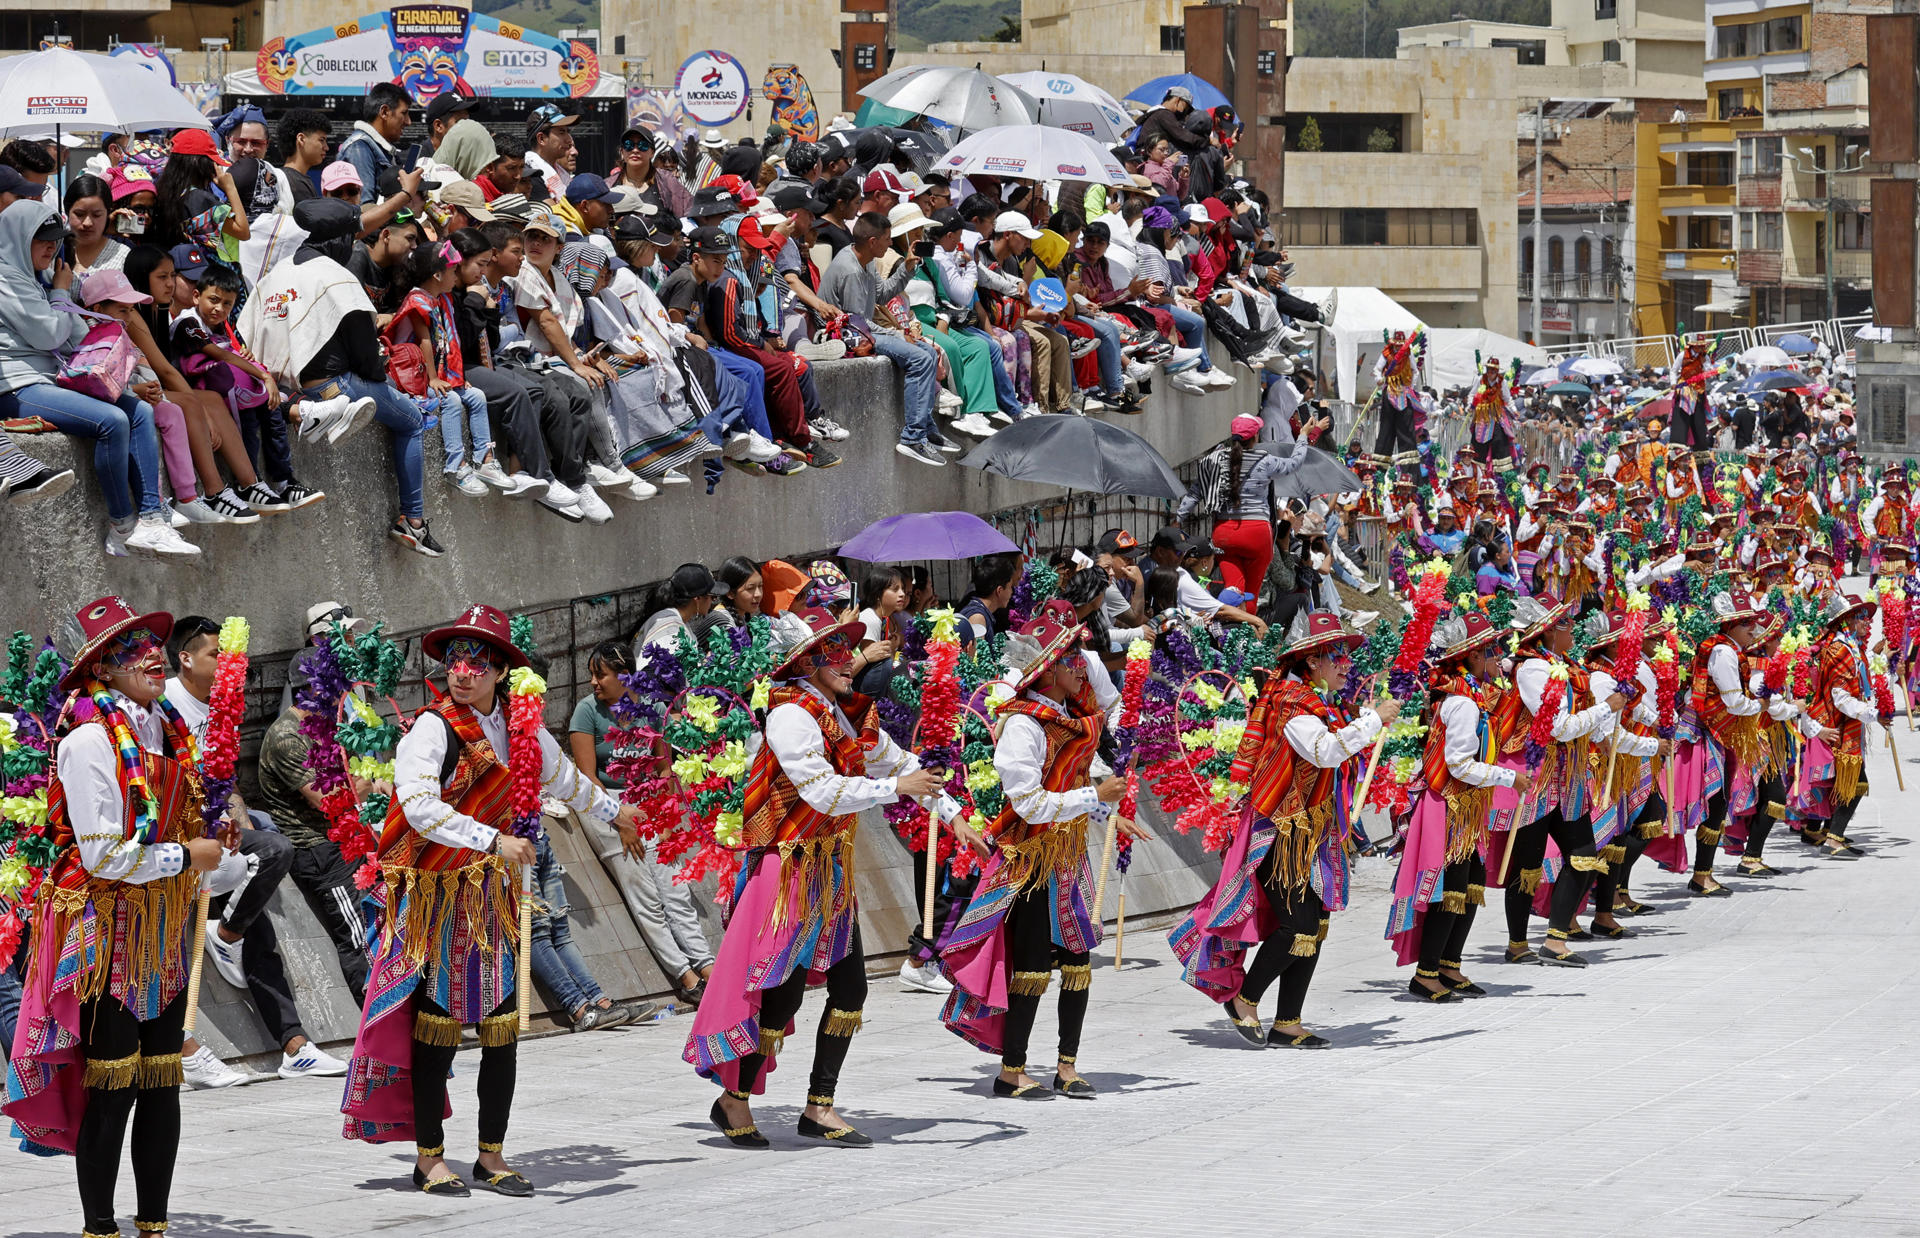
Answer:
(658, 109)
(431, 49)
(150, 56)
(785, 87)
(713, 87)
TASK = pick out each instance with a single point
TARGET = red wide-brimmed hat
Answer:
(1318, 631)
(98, 624)
(1736, 606)
(1034, 649)
(822, 630)
(1534, 616)
(479, 622)
(1844, 606)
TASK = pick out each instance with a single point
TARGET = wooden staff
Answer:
(933, 875)
(1895, 753)
(1613, 756)
(1106, 864)
(1120, 929)
(200, 953)
(1366, 780)
(523, 977)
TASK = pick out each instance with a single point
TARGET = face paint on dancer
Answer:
(135, 666)
(473, 672)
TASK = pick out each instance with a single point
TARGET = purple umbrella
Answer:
(926, 535)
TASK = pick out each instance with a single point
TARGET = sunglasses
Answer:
(464, 652)
(131, 649)
(633, 144)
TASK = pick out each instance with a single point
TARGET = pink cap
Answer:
(1246, 426)
(128, 179)
(110, 286)
(339, 174)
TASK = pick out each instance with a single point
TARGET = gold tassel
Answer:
(1305, 945)
(111, 1074)
(1710, 835)
(1454, 902)
(1530, 879)
(1029, 983)
(162, 1071)
(1076, 977)
(1467, 813)
(149, 1227)
(771, 1039)
(1476, 896)
(497, 1030)
(1325, 924)
(1846, 777)
(1587, 863)
(1650, 829)
(841, 1023)
(439, 1030)
(1614, 853)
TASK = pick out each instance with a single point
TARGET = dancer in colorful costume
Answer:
(793, 919)
(447, 942)
(1731, 726)
(1844, 701)
(1286, 868)
(1491, 413)
(1403, 411)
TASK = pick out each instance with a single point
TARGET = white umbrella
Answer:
(1595, 367)
(1766, 357)
(1545, 376)
(1069, 102)
(1035, 153)
(968, 99)
(61, 90)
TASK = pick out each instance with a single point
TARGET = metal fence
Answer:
(1838, 334)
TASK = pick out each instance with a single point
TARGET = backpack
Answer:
(103, 363)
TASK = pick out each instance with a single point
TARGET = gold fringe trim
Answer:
(1846, 777)
(809, 862)
(1296, 841)
(1711, 835)
(1530, 879)
(1777, 811)
(1614, 853)
(87, 1233)
(498, 1030)
(111, 1074)
(484, 1146)
(770, 1041)
(1557, 934)
(1587, 863)
(1703, 872)
(1454, 902)
(1450, 964)
(439, 1030)
(1651, 829)
(149, 1227)
(1305, 945)
(158, 934)
(1325, 924)
(814, 1098)
(1467, 814)
(161, 1071)
(841, 1023)
(1476, 896)
(1057, 848)
(438, 1149)
(1076, 977)
(431, 897)
(1029, 983)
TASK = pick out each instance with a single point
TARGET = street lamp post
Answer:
(1856, 156)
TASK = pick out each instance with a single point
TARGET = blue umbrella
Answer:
(1796, 344)
(1774, 380)
(1205, 94)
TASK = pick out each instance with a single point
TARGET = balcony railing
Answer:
(1571, 286)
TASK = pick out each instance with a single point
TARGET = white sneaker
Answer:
(467, 483)
(196, 512)
(1139, 372)
(563, 495)
(592, 506)
(357, 417)
(203, 1070)
(1280, 363)
(525, 486)
(312, 1062)
(948, 399)
(831, 430)
(1030, 409)
(225, 956)
(318, 416)
(923, 979)
(639, 489)
(493, 475)
(116, 541)
(1216, 377)
(760, 448)
(601, 475)
(976, 425)
(154, 537)
(673, 477)
(1188, 385)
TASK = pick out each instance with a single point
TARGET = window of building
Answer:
(1767, 230)
(1760, 156)
(1729, 103)
(1360, 226)
(1855, 231)
(1728, 41)
(1267, 63)
(1783, 34)
(1526, 257)
(1556, 255)
(1526, 51)
(1609, 52)
(1746, 229)
(1335, 226)
(1888, 402)
(1779, 34)
(1603, 9)
(1712, 168)
(1709, 232)
(1173, 38)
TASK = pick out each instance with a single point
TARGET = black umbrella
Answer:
(1080, 453)
(1320, 473)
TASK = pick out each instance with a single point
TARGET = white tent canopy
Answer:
(1451, 351)
(1362, 315)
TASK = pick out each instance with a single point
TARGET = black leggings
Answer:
(1397, 437)
(846, 999)
(1689, 424)
(1443, 934)
(1607, 886)
(1655, 810)
(1292, 951)
(132, 1069)
(1526, 867)
(1032, 957)
(436, 1038)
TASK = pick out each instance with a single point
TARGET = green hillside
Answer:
(546, 16)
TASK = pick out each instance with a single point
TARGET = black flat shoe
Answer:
(1569, 959)
(452, 1186)
(1627, 907)
(1078, 1089)
(1308, 1040)
(506, 1182)
(1611, 934)
(1024, 1091)
(1716, 892)
(1250, 1030)
(1420, 990)
(1524, 954)
(1464, 987)
(1758, 870)
(845, 1136)
(739, 1136)
(1579, 934)
(1840, 849)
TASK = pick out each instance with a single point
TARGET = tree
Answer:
(1009, 31)
(1381, 142)
(1310, 138)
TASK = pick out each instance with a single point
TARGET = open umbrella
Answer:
(1206, 95)
(1797, 343)
(1541, 377)
(926, 535)
(1775, 380)
(1594, 367)
(1576, 389)
(1035, 152)
(1765, 355)
(1069, 102)
(1080, 453)
(1320, 473)
(64, 90)
(966, 98)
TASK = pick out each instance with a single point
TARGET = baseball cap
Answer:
(198, 142)
(693, 580)
(1014, 221)
(1198, 544)
(339, 174)
(711, 201)
(445, 105)
(646, 224)
(713, 242)
(883, 179)
(540, 219)
(740, 189)
(639, 131)
(626, 199)
(1179, 92)
(586, 187)
(1197, 213)
(548, 116)
(467, 196)
(189, 260)
(19, 186)
(1118, 541)
(798, 198)
(110, 286)
(758, 231)
(1168, 538)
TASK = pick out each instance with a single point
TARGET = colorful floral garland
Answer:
(226, 706)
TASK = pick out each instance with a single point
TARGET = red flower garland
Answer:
(1882, 697)
(526, 715)
(1133, 695)
(939, 726)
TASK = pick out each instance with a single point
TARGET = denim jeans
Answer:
(556, 963)
(922, 380)
(752, 389)
(477, 430)
(401, 416)
(1192, 328)
(1004, 394)
(1112, 381)
(662, 907)
(126, 448)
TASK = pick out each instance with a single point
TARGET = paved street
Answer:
(1741, 1066)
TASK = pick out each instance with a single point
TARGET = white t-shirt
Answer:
(192, 710)
(1196, 599)
(876, 626)
(532, 292)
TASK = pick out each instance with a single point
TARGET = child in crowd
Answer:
(425, 318)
